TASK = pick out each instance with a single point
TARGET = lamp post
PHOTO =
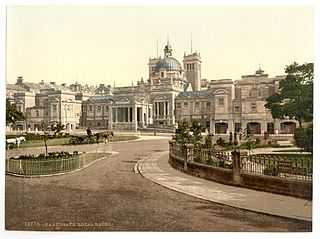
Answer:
(154, 125)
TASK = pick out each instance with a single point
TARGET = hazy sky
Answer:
(107, 44)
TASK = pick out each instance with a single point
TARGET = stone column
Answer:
(147, 114)
(158, 108)
(142, 115)
(128, 109)
(135, 118)
(110, 118)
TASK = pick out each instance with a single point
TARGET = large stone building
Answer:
(47, 102)
(144, 104)
(171, 94)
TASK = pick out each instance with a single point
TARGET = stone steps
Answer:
(285, 143)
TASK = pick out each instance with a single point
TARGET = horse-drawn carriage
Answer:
(91, 138)
(87, 139)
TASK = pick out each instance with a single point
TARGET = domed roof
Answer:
(169, 63)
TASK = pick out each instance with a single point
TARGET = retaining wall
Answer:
(288, 187)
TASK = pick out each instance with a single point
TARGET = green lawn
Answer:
(297, 160)
(65, 141)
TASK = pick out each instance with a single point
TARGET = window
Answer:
(84, 108)
(162, 74)
(178, 105)
(208, 104)
(221, 101)
(192, 68)
(236, 109)
(185, 104)
(77, 114)
(54, 107)
(99, 108)
(90, 108)
(253, 107)
(37, 113)
(255, 92)
(197, 104)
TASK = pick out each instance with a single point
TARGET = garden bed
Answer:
(57, 162)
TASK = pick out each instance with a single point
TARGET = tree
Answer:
(196, 128)
(182, 133)
(57, 128)
(295, 96)
(46, 133)
(12, 114)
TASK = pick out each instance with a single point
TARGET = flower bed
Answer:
(53, 163)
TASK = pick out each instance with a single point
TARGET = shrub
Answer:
(221, 142)
(258, 141)
(271, 171)
(304, 138)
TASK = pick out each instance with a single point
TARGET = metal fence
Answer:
(53, 166)
(291, 167)
(93, 148)
(214, 158)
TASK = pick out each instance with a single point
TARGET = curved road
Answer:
(109, 196)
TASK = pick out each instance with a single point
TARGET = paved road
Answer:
(109, 196)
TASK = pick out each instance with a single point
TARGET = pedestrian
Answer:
(89, 133)
(97, 136)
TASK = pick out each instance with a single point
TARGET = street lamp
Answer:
(154, 125)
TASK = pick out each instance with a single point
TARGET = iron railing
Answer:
(291, 167)
(53, 166)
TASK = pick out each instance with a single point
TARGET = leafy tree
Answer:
(196, 128)
(182, 133)
(304, 138)
(57, 128)
(295, 96)
(12, 114)
(196, 139)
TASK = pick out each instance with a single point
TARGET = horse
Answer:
(105, 135)
(16, 141)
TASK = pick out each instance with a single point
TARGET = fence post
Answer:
(237, 166)
(188, 155)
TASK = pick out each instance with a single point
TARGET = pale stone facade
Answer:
(228, 106)
(53, 106)
(171, 94)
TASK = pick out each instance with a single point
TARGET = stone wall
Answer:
(300, 189)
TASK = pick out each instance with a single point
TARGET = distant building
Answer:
(47, 102)
(171, 94)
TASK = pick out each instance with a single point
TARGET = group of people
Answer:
(105, 135)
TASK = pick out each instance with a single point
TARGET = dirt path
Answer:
(109, 196)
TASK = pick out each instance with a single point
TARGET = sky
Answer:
(93, 44)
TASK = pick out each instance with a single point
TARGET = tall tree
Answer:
(12, 114)
(295, 96)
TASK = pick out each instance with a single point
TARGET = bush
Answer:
(271, 171)
(304, 138)
(258, 141)
(221, 142)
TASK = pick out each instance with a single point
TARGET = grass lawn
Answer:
(65, 141)
(297, 160)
